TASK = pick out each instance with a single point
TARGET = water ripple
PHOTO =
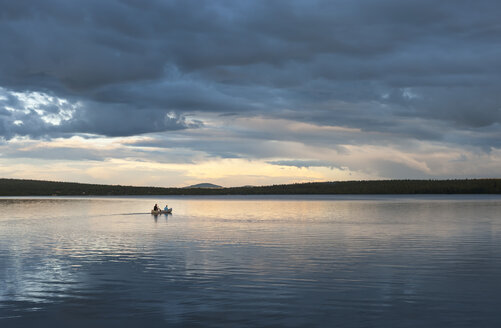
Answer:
(227, 262)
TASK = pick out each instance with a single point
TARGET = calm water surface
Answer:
(373, 261)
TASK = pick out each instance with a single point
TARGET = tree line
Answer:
(18, 187)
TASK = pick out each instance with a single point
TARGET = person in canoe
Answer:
(156, 208)
(166, 208)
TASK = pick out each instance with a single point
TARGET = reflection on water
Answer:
(250, 261)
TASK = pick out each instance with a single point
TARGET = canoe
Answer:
(161, 212)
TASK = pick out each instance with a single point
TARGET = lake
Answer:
(276, 261)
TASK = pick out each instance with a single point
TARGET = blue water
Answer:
(286, 261)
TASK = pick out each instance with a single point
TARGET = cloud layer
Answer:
(234, 79)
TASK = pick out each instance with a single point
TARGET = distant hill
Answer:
(205, 185)
(18, 187)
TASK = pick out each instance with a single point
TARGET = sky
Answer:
(174, 93)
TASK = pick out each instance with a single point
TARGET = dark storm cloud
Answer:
(41, 116)
(404, 68)
(122, 120)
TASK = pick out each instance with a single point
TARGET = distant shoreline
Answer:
(21, 187)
